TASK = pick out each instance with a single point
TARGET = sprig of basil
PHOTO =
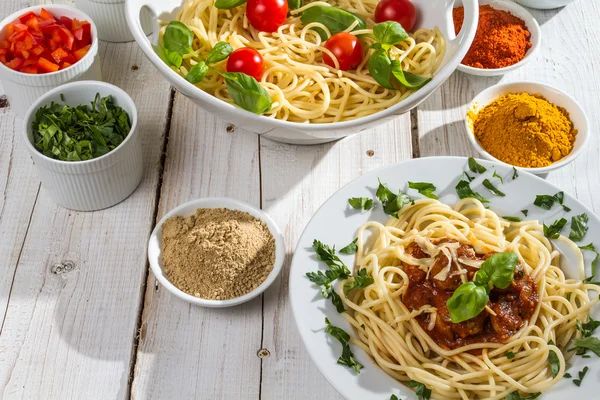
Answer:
(219, 52)
(294, 4)
(425, 188)
(406, 79)
(227, 4)
(335, 19)
(498, 269)
(178, 38)
(197, 73)
(247, 92)
(389, 33)
(380, 68)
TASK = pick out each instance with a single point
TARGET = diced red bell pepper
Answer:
(66, 37)
(25, 54)
(42, 23)
(47, 66)
(4, 55)
(65, 65)
(59, 54)
(33, 23)
(23, 45)
(17, 37)
(80, 53)
(37, 50)
(49, 29)
(30, 61)
(44, 14)
(66, 21)
(5, 44)
(20, 27)
(16, 63)
(69, 59)
(27, 16)
(87, 34)
(78, 33)
(30, 69)
(52, 45)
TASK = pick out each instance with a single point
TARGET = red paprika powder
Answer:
(502, 39)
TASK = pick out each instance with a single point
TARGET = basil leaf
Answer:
(178, 38)
(492, 188)
(227, 4)
(467, 301)
(422, 391)
(335, 19)
(361, 203)
(380, 68)
(498, 269)
(553, 361)
(175, 59)
(590, 247)
(546, 201)
(361, 281)
(463, 189)
(393, 397)
(247, 92)
(160, 51)
(424, 188)
(581, 374)
(578, 227)
(294, 4)
(219, 52)
(390, 33)
(512, 219)
(474, 166)
(553, 231)
(516, 396)
(406, 79)
(515, 173)
(197, 73)
(525, 212)
(495, 175)
(347, 358)
(352, 248)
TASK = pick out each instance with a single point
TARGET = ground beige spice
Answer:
(217, 254)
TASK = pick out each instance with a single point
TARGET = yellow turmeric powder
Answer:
(524, 129)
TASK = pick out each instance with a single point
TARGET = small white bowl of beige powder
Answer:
(216, 252)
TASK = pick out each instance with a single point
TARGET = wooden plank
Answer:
(568, 60)
(296, 181)
(187, 351)
(71, 335)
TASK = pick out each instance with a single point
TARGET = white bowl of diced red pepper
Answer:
(45, 47)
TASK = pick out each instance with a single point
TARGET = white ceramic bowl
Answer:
(553, 95)
(109, 15)
(532, 25)
(22, 90)
(432, 13)
(544, 4)
(97, 183)
(189, 208)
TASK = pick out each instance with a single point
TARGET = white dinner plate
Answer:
(335, 223)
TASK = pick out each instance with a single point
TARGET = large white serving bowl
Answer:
(432, 13)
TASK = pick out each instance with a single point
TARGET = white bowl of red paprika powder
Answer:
(549, 117)
(507, 37)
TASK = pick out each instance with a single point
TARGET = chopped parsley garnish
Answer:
(337, 270)
(474, 166)
(525, 212)
(361, 281)
(510, 355)
(590, 247)
(516, 396)
(466, 177)
(361, 203)
(392, 203)
(352, 248)
(463, 189)
(425, 188)
(567, 375)
(581, 374)
(347, 358)
(553, 231)
(495, 175)
(553, 361)
(546, 201)
(512, 219)
(422, 391)
(587, 343)
(492, 188)
(578, 227)
(515, 173)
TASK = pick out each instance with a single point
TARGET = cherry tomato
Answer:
(346, 48)
(266, 15)
(401, 11)
(248, 61)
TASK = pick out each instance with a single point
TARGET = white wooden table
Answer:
(107, 330)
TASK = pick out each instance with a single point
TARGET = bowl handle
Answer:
(133, 9)
(469, 27)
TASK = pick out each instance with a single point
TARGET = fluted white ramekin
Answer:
(109, 16)
(93, 184)
(22, 90)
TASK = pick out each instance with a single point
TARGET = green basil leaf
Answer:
(512, 219)
(335, 19)
(553, 361)
(352, 248)
(393, 397)
(463, 189)
(590, 247)
(578, 227)
(247, 92)
(361, 203)
(219, 52)
(425, 188)
(227, 4)
(175, 59)
(546, 201)
(347, 358)
(516, 396)
(197, 73)
(390, 33)
(467, 301)
(178, 38)
(498, 269)
(380, 69)
(294, 4)
(406, 79)
(160, 51)
(492, 188)
(553, 231)
(422, 391)
(474, 166)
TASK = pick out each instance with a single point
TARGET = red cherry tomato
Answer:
(346, 48)
(401, 11)
(266, 15)
(248, 61)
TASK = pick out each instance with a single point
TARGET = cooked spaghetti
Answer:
(403, 323)
(301, 86)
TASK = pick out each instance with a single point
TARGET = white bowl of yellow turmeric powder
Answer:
(531, 126)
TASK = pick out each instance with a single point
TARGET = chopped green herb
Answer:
(516, 396)
(590, 247)
(512, 219)
(80, 133)
(495, 175)
(581, 374)
(465, 177)
(515, 173)
(492, 188)
(589, 343)
(422, 391)
(553, 361)
(525, 212)
(474, 166)
(391, 203)
(578, 227)
(586, 356)
(352, 248)
(553, 231)
(347, 358)
(510, 355)
(425, 188)
(463, 189)
(337, 270)
(361, 281)
(362, 326)
(567, 375)
(588, 328)
(361, 203)
(546, 201)
(393, 397)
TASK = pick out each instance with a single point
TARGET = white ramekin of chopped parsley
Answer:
(82, 138)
